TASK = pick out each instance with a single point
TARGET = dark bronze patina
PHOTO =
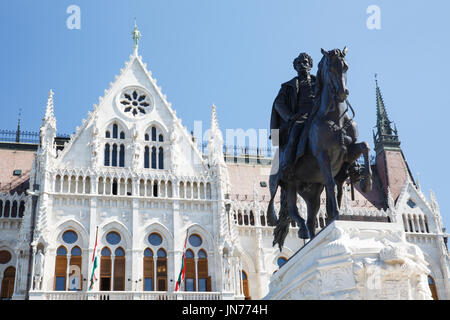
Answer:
(318, 145)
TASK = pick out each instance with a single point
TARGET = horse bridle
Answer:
(334, 93)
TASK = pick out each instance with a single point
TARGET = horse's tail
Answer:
(282, 225)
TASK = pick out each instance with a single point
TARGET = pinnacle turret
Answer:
(385, 137)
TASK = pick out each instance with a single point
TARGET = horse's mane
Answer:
(319, 84)
(319, 78)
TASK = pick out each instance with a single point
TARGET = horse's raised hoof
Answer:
(303, 233)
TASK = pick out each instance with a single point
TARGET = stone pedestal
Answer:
(354, 260)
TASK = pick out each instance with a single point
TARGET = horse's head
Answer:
(334, 72)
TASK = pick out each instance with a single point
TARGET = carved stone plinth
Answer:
(354, 260)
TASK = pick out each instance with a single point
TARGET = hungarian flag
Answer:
(94, 260)
(181, 276)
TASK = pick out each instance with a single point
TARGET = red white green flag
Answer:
(183, 265)
(95, 265)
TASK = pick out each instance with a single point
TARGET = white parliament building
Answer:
(134, 177)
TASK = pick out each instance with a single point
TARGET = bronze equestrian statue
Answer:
(318, 149)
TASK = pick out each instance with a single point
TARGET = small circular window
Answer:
(5, 257)
(281, 261)
(113, 238)
(70, 237)
(155, 239)
(195, 240)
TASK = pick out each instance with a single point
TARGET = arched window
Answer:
(122, 156)
(433, 290)
(153, 134)
(204, 280)
(246, 218)
(8, 283)
(57, 184)
(197, 276)
(60, 269)
(154, 151)
(148, 270)
(208, 190)
(245, 285)
(153, 157)
(115, 187)
(1, 208)
(155, 268)
(115, 129)
(263, 219)
(107, 154)
(66, 184)
(147, 157)
(119, 269)
(252, 218)
(14, 209)
(161, 270)
(114, 156)
(281, 261)
(105, 269)
(190, 278)
(68, 271)
(182, 190)
(75, 278)
(7, 209)
(161, 158)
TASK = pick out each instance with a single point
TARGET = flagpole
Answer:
(94, 262)
(180, 279)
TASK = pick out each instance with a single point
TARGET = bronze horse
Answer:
(326, 150)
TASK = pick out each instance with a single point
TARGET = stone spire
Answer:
(215, 144)
(391, 164)
(18, 127)
(49, 109)
(48, 126)
(386, 137)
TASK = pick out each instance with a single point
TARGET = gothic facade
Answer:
(132, 188)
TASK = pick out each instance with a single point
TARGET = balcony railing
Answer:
(124, 295)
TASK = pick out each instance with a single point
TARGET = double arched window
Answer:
(112, 264)
(196, 270)
(154, 149)
(68, 263)
(114, 152)
(155, 267)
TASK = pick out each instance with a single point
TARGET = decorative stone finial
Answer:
(49, 110)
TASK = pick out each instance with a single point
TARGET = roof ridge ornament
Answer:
(136, 35)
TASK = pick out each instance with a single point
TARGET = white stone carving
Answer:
(354, 260)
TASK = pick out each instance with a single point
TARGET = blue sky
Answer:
(236, 54)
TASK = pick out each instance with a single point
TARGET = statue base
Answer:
(354, 260)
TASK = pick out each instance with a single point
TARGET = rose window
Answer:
(135, 102)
